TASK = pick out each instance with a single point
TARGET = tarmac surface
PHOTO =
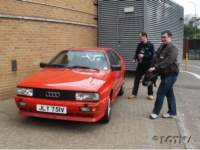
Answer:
(188, 99)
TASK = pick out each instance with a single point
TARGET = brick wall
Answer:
(37, 39)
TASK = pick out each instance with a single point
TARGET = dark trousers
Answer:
(166, 89)
(140, 71)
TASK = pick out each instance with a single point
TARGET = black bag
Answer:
(150, 78)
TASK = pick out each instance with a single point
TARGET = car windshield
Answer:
(80, 59)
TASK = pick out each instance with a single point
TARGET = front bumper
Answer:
(74, 113)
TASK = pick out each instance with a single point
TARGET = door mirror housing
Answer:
(43, 65)
(115, 67)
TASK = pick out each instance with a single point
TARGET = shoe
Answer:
(132, 97)
(167, 115)
(153, 116)
(150, 97)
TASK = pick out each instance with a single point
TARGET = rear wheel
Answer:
(121, 92)
(107, 116)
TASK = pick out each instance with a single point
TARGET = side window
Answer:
(116, 57)
(111, 59)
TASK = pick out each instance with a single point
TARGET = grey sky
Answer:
(190, 6)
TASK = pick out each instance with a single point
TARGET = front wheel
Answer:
(107, 116)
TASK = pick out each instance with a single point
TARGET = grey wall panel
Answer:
(119, 30)
(128, 38)
(164, 15)
(107, 23)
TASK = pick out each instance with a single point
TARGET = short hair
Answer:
(169, 33)
(143, 34)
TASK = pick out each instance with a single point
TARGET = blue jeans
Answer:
(166, 89)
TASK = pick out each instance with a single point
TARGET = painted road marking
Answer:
(192, 73)
(180, 121)
(194, 66)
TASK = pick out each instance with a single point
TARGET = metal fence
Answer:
(194, 49)
(194, 54)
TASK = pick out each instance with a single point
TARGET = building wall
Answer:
(33, 31)
(161, 16)
(119, 29)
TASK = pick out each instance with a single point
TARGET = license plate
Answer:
(51, 109)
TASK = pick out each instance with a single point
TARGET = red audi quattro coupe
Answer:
(78, 84)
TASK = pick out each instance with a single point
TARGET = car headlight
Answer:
(87, 96)
(25, 92)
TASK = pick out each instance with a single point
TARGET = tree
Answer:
(191, 28)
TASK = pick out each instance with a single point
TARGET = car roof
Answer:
(89, 49)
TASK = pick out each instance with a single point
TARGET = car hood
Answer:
(66, 79)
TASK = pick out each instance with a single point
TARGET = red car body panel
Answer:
(106, 83)
(66, 79)
(73, 109)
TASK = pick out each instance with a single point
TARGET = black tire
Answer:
(121, 92)
(107, 116)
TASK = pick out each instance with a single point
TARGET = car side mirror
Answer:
(115, 67)
(43, 65)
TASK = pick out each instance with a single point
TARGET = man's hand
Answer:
(152, 69)
(134, 60)
(140, 56)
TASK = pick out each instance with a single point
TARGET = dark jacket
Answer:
(148, 51)
(166, 59)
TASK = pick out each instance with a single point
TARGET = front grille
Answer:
(54, 94)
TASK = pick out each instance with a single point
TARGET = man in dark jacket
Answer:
(144, 56)
(166, 65)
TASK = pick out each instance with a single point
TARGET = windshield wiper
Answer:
(55, 65)
(82, 67)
